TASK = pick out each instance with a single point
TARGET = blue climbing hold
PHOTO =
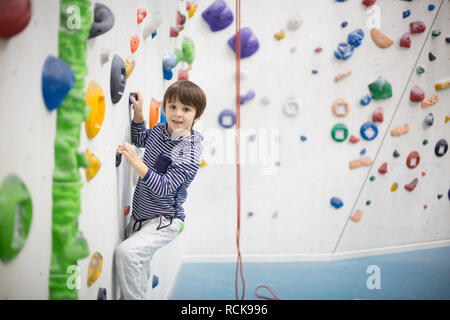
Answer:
(155, 281)
(343, 51)
(369, 131)
(57, 80)
(162, 117)
(355, 37)
(336, 202)
(366, 100)
(154, 34)
(134, 95)
(169, 62)
(431, 7)
(406, 14)
(303, 138)
(363, 152)
(227, 118)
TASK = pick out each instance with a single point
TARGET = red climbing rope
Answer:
(238, 167)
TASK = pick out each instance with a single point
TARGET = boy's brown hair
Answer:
(188, 93)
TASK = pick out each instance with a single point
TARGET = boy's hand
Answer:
(133, 159)
(138, 106)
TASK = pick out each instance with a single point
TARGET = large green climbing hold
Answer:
(188, 51)
(16, 210)
(380, 89)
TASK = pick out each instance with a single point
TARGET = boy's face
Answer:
(180, 118)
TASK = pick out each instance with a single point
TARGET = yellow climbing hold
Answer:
(130, 63)
(394, 186)
(94, 268)
(203, 163)
(442, 85)
(280, 35)
(447, 118)
(192, 10)
(93, 166)
(95, 99)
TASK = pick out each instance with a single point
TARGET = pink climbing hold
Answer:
(412, 185)
(417, 27)
(383, 169)
(405, 40)
(378, 115)
(416, 94)
(175, 30)
(181, 19)
(354, 139)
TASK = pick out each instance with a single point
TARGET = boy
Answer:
(171, 161)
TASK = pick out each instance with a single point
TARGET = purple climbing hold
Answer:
(218, 16)
(344, 24)
(249, 43)
(248, 96)
(336, 202)
(227, 118)
(57, 80)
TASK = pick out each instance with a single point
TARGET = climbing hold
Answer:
(396, 154)
(104, 55)
(383, 168)
(366, 161)
(344, 24)
(343, 51)
(341, 76)
(187, 52)
(265, 100)
(94, 268)
(153, 22)
(162, 116)
(413, 160)
(363, 151)
(372, 178)
(442, 85)
(95, 100)
(134, 43)
(368, 3)
(249, 43)
(315, 71)
(430, 101)
(174, 31)
(181, 18)
(58, 79)
(141, 14)
(303, 138)
(425, 142)
(429, 119)
(366, 100)
(423, 174)
(405, 40)
(380, 89)
(436, 33)
(16, 210)
(355, 38)
(103, 20)
(431, 7)
(118, 78)
(154, 112)
(291, 107)
(336, 202)
(191, 10)
(356, 216)
(447, 39)
(441, 148)
(406, 14)
(280, 35)
(155, 281)
(15, 15)
(203, 163)
(380, 39)
(397, 131)
(275, 214)
(412, 185)
(134, 95)
(318, 49)
(368, 202)
(431, 56)
(227, 118)
(93, 167)
(377, 115)
(420, 70)
(417, 27)
(250, 214)
(126, 211)
(341, 107)
(248, 96)
(369, 131)
(394, 186)
(118, 158)
(129, 65)
(183, 75)
(101, 294)
(294, 22)
(447, 119)
(354, 139)
(416, 94)
(439, 196)
(218, 16)
(339, 132)
(169, 62)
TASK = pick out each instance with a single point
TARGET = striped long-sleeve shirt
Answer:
(173, 164)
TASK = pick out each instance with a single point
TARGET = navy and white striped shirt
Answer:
(173, 164)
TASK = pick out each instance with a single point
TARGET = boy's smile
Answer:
(179, 117)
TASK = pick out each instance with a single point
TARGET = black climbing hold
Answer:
(429, 119)
(447, 39)
(103, 20)
(118, 159)
(441, 148)
(396, 154)
(118, 78)
(439, 196)
(431, 56)
(101, 295)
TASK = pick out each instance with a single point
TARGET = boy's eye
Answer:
(187, 109)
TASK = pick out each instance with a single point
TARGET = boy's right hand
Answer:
(138, 106)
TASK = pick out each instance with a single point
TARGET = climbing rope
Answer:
(238, 172)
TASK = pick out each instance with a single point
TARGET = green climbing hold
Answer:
(339, 132)
(181, 229)
(16, 211)
(368, 202)
(380, 89)
(425, 142)
(372, 178)
(188, 51)
(420, 70)
(436, 33)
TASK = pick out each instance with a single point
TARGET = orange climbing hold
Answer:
(95, 99)
(430, 101)
(337, 109)
(380, 39)
(356, 216)
(280, 35)
(342, 76)
(141, 14)
(93, 165)
(134, 43)
(367, 161)
(397, 131)
(154, 113)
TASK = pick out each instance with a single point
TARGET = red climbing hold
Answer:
(126, 211)
(405, 40)
(141, 14)
(416, 94)
(413, 160)
(354, 139)
(377, 115)
(410, 186)
(175, 30)
(134, 43)
(14, 17)
(417, 27)
(318, 49)
(368, 3)
(383, 169)
(181, 18)
(183, 75)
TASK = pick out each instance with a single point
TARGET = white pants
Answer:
(134, 254)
